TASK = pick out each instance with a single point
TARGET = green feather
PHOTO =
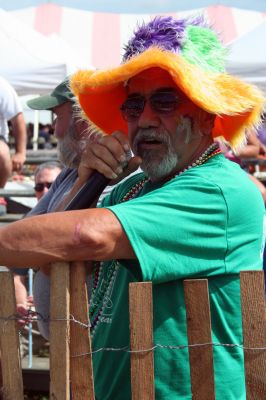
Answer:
(203, 48)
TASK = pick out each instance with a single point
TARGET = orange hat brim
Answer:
(237, 104)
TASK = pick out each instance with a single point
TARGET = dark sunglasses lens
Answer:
(39, 187)
(132, 108)
(164, 103)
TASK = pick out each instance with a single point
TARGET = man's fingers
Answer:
(100, 159)
(104, 155)
(123, 139)
(16, 166)
(133, 164)
(108, 155)
(17, 162)
(117, 144)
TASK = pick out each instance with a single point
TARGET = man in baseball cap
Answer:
(68, 128)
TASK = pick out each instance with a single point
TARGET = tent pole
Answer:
(35, 130)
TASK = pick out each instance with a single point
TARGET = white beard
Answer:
(159, 165)
(156, 166)
(70, 148)
(72, 145)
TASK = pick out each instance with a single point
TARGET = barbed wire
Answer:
(126, 349)
(32, 316)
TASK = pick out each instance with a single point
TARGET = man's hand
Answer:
(18, 159)
(109, 156)
(23, 311)
(23, 301)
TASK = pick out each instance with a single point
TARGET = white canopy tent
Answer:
(99, 38)
(31, 62)
(247, 57)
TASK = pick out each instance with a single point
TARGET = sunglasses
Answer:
(39, 187)
(163, 103)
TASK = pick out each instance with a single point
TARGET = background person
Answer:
(10, 110)
(45, 175)
(250, 149)
(72, 133)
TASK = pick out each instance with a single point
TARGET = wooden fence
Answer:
(70, 348)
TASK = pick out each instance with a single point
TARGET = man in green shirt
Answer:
(191, 213)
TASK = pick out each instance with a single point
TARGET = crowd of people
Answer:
(189, 213)
(45, 140)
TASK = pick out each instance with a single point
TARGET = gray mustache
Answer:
(152, 135)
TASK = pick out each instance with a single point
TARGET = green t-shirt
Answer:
(207, 222)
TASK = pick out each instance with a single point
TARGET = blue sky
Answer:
(136, 6)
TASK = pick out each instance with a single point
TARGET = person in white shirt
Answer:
(10, 110)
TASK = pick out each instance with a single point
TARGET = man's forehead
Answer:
(47, 172)
(150, 80)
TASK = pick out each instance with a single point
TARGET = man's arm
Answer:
(251, 149)
(20, 135)
(94, 234)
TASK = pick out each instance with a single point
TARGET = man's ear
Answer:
(205, 122)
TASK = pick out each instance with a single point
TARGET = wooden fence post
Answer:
(59, 332)
(199, 331)
(254, 332)
(10, 357)
(81, 372)
(141, 337)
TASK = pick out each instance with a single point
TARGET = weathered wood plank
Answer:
(254, 332)
(59, 332)
(10, 358)
(199, 331)
(81, 372)
(141, 338)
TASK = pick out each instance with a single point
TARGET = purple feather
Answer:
(164, 32)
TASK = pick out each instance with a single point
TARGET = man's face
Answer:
(63, 114)
(44, 179)
(167, 128)
(71, 134)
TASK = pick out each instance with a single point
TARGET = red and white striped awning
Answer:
(98, 38)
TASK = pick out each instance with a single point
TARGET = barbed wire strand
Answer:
(35, 316)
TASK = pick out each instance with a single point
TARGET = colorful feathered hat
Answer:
(190, 51)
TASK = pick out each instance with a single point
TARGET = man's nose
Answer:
(148, 118)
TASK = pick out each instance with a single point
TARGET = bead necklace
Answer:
(134, 190)
(211, 151)
(101, 294)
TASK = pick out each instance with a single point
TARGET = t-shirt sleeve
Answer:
(10, 103)
(175, 229)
